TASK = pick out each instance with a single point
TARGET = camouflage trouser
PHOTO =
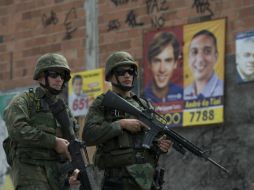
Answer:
(119, 179)
(41, 177)
(42, 186)
(120, 184)
(133, 177)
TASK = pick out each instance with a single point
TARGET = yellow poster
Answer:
(83, 88)
(203, 52)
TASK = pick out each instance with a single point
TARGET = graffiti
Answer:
(114, 25)
(152, 7)
(157, 22)
(70, 29)
(156, 5)
(131, 20)
(53, 19)
(48, 20)
(202, 6)
(121, 2)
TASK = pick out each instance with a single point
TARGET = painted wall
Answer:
(231, 145)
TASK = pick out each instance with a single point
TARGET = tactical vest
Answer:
(41, 118)
(125, 149)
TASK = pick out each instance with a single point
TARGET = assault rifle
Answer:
(75, 147)
(180, 143)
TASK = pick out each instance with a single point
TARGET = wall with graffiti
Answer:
(230, 141)
(30, 28)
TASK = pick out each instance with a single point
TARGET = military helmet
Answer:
(120, 58)
(51, 61)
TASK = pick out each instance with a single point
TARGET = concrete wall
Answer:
(231, 145)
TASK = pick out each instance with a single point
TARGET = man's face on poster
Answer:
(163, 66)
(202, 57)
(245, 58)
(77, 86)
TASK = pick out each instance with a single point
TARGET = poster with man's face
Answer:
(245, 57)
(83, 88)
(204, 49)
(184, 72)
(163, 71)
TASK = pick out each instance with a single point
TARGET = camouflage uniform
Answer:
(33, 130)
(126, 164)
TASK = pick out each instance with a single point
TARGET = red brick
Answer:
(24, 6)
(247, 2)
(19, 64)
(45, 3)
(37, 41)
(31, 14)
(28, 39)
(3, 47)
(6, 2)
(69, 44)
(246, 12)
(4, 11)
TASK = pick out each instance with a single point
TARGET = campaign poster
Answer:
(163, 73)
(245, 57)
(83, 88)
(204, 50)
(183, 74)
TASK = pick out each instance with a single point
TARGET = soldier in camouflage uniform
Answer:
(37, 147)
(118, 136)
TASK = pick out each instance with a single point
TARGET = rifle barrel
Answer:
(218, 165)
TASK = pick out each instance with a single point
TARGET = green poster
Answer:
(4, 100)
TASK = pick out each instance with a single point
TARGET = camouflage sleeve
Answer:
(16, 117)
(97, 130)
